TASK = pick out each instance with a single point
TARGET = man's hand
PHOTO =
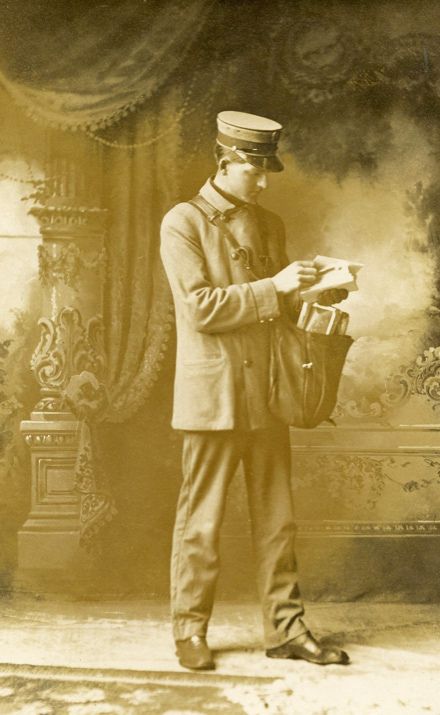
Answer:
(297, 275)
(332, 296)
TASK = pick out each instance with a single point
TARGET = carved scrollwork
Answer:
(69, 221)
(347, 475)
(422, 377)
(427, 375)
(50, 439)
(67, 264)
(350, 477)
(50, 404)
(66, 348)
(363, 409)
(398, 387)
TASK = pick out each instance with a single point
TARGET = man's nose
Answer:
(262, 181)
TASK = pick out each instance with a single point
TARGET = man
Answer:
(230, 278)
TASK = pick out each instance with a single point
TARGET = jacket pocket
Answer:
(203, 395)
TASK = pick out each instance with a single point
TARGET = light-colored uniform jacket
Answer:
(223, 318)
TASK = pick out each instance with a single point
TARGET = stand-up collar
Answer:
(218, 199)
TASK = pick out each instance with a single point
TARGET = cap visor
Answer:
(269, 163)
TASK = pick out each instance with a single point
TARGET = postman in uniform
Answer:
(225, 259)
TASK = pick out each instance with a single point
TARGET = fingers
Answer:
(305, 264)
(306, 280)
(300, 274)
(307, 273)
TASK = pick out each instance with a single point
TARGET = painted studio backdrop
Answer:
(107, 119)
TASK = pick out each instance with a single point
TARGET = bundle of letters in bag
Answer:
(307, 358)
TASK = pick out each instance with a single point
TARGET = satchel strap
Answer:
(209, 211)
(217, 218)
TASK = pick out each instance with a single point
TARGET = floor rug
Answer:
(35, 690)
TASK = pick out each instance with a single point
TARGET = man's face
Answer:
(245, 181)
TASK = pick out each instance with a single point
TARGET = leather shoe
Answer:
(306, 647)
(193, 653)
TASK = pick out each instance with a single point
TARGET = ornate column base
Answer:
(48, 542)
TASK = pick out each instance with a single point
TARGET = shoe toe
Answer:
(193, 653)
(334, 656)
(306, 647)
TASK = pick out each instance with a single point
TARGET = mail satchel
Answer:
(305, 371)
(305, 367)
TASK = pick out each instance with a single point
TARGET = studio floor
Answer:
(92, 658)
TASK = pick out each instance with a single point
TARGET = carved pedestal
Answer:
(50, 537)
(72, 259)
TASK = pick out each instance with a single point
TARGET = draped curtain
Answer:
(88, 65)
(139, 188)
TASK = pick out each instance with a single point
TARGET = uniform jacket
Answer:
(222, 317)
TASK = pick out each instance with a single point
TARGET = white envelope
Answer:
(332, 273)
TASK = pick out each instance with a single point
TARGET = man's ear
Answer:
(223, 165)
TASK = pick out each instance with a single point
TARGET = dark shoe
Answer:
(193, 653)
(305, 647)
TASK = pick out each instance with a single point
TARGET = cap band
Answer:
(247, 146)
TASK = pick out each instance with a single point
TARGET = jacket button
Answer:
(247, 363)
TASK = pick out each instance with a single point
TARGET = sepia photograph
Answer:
(219, 357)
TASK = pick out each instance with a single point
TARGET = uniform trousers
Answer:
(210, 460)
